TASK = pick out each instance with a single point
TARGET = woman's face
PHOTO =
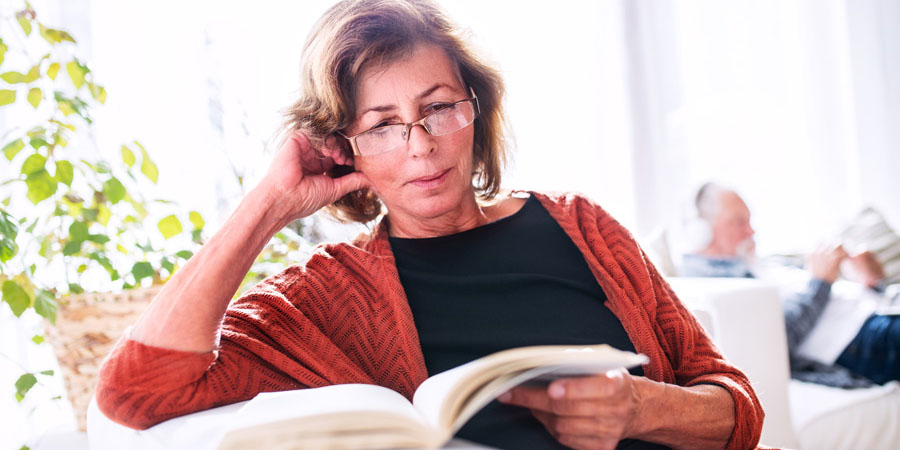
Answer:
(429, 176)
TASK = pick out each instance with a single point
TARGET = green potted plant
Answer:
(70, 224)
(66, 218)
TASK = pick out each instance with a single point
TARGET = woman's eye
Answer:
(438, 106)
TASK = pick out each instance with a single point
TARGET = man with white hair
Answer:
(872, 356)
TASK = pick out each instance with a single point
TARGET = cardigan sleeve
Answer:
(696, 360)
(267, 344)
(141, 385)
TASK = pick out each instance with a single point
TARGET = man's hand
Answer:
(593, 412)
(825, 263)
(866, 268)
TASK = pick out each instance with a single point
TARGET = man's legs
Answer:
(875, 351)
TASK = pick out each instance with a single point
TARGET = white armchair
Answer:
(745, 319)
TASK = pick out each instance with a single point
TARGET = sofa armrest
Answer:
(748, 327)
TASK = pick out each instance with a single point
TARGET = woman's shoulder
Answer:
(567, 202)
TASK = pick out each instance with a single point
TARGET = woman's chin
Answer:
(431, 205)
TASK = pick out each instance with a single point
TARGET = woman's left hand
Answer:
(594, 412)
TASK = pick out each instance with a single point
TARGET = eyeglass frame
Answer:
(421, 122)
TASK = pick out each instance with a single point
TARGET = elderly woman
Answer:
(399, 114)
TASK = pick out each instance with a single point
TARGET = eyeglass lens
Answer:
(439, 123)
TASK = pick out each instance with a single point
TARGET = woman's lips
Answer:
(431, 181)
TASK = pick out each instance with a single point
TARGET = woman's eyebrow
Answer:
(423, 94)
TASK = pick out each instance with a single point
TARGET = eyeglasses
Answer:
(446, 120)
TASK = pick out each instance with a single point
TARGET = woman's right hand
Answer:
(297, 180)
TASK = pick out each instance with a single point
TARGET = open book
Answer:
(363, 416)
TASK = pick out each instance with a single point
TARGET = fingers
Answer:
(559, 425)
(332, 151)
(598, 394)
(338, 150)
(351, 182)
(600, 386)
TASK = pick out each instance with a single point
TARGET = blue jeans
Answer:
(875, 351)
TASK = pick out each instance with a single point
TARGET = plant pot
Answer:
(87, 327)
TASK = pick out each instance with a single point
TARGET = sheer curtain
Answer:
(634, 103)
(794, 104)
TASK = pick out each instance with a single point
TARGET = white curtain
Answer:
(793, 103)
(635, 103)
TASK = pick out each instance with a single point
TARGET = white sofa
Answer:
(745, 319)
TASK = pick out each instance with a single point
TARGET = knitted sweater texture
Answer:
(343, 318)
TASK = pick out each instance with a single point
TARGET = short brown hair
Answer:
(355, 34)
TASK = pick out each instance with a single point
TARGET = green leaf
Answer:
(41, 186)
(97, 92)
(103, 167)
(64, 172)
(103, 215)
(170, 226)
(148, 168)
(75, 73)
(8, 225)
(72, 248)
(8, 249)
(16, 297)
(7, 96)
(53, 70)
(127, 156)
(33, 74)
(37, 339)
(49, 373)
(98, 238)
(102, 260)
(24, 23)
(141, 270)
(24, 384)
(35, 96)
(30, 228)
(185, 254)
(76, 288)
(32, 268)
(196, 219)
(33, 164)
(114, 190)
(37, 142)
(13, 77)
(3, 49)
(78, 231)
(8, 231)
(45, 305)
(166, 264)
(13, 148)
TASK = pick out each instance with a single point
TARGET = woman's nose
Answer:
(420, 142)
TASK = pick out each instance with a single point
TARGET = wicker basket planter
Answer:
(87, 327)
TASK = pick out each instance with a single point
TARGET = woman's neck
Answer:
(466, 216)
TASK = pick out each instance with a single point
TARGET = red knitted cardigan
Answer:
(343, 318)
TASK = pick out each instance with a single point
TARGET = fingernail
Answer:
(557, 391)
(505, 397)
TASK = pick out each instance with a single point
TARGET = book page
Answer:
(339, 398)
(307, 412)
(448, 399)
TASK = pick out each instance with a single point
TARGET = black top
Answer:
(514, 282)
